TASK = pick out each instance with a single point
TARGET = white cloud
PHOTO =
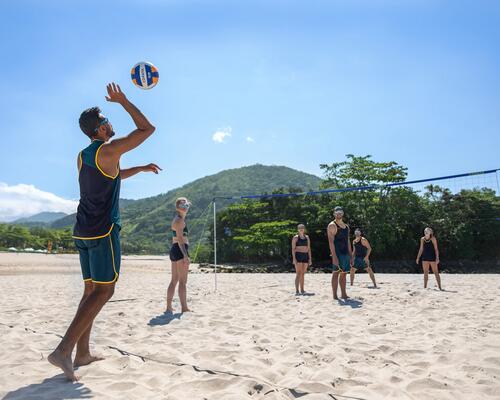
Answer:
(23, 200)
(221, 134)
(250, 139)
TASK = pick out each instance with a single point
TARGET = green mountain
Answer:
(68, 220)
(41, 219)
(146, 222)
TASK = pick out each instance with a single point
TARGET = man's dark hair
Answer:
(89, 119)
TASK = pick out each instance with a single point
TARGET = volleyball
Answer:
(144, 75)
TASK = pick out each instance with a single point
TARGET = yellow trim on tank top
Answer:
(81, 162)
(95, 237)
(99, 168)
(114, 266)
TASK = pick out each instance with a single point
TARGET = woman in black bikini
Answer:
(429, 254)
(179, 255)
(301, 254)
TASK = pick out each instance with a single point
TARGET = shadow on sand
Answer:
(55, 388)
(306, 294)
(353, 303)
(164, 319)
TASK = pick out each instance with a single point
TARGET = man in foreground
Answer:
(97, 228)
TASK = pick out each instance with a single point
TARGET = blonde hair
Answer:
(430, 230)
(301, 226)
(181, 199)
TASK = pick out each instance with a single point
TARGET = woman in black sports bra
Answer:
(429, 254)
(179, 255)
(301, 255)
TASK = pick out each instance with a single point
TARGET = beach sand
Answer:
(253, 339)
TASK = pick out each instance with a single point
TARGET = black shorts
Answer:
(301, 257)
(176, 253)
(429, 258)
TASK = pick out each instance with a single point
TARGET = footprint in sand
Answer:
(384, 349)
(426, 384)
(493, 360)
(406, 353)
(378, 330)
(396, 379)
(122, 386)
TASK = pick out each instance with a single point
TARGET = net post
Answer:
(215, 247)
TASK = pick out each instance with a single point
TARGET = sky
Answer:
(295, 83)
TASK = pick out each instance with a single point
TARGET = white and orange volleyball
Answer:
(144, 75)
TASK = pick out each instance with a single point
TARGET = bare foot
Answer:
(335, 297)
(345, 297)
(64, 362)
(185, 310)
(85, 360)
(169, 311)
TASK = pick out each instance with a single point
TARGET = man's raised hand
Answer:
(115, 94)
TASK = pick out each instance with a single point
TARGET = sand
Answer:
(253, 339)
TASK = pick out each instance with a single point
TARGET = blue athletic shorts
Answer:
(100, 258)
(359, 263)
(345, 263)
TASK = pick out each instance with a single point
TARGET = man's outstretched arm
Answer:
(144, 128)
(128, 172)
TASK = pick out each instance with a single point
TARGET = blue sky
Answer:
(308, 81)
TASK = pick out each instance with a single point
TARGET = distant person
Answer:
(301, 254)
(429, 254)
(179, 255)
(97, 228)
(361, 256)
(340, 250)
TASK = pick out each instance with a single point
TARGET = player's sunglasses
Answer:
(103, 122)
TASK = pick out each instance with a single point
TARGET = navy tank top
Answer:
(429, 253)
(98, 210)
(360, 249)
(341, 240)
